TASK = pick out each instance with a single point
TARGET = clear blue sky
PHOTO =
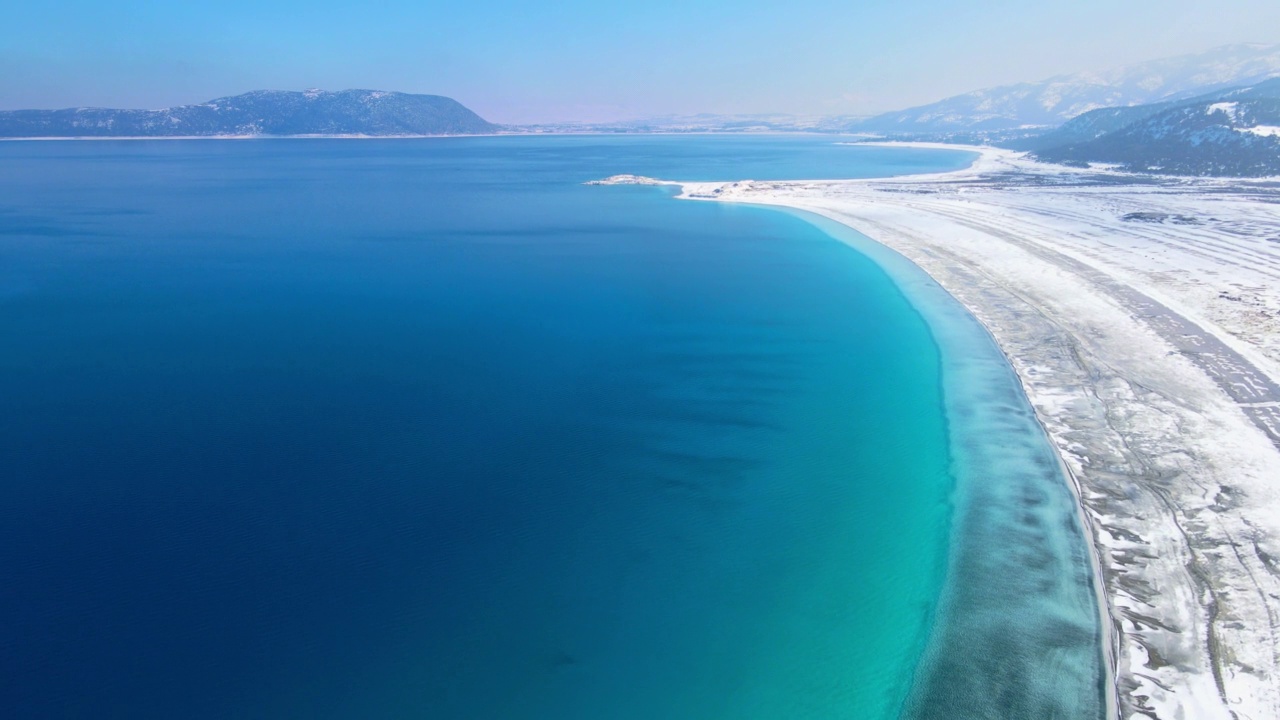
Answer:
(531, 62)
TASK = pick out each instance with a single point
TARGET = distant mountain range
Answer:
(1233, 132)
(264, 112)
(1056, 100)
(704, 123)
(1212, 113)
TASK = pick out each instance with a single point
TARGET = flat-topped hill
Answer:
(262, 112)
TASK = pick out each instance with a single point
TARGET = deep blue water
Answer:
(427, 428)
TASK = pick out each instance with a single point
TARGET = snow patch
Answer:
(1230, 109)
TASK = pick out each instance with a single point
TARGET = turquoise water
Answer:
(412, 428)
(1016, 633)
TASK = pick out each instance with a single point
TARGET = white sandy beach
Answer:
(1143, 318)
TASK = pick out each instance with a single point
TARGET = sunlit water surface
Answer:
(427, 428)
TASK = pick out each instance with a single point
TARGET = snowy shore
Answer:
(1142, 316)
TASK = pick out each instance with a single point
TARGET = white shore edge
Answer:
(1142, 316)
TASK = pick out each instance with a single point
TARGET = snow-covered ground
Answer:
(1143, 317)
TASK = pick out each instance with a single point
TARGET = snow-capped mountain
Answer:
(264, 112)
(1233, 132)
(1054, 101)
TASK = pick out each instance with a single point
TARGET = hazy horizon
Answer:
(582, 62)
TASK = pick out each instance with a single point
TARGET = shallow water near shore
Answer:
(426, 428)
(1017, 633)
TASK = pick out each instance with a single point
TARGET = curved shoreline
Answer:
(1192, 628)
(1140, 316)
(964, 337)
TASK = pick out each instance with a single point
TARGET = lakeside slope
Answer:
(1142, 316)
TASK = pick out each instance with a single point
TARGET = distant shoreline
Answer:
(356, 136)
(52, 138)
